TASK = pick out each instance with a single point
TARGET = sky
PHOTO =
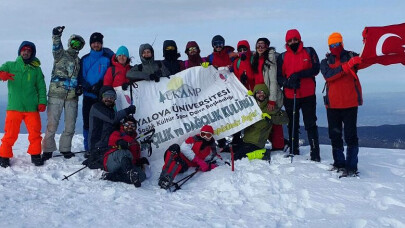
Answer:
(132, 23)
(257, 194)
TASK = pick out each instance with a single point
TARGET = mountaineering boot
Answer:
(134, 178)
(4, 162)
(67, 154)
(313, 139)
(37, 160)
(349, 173)
(165, 181)
(266, 156)
(46, 156)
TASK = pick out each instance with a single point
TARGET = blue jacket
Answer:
(93, 67)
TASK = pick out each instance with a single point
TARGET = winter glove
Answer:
(154, 77)
(6, 76)
(175, 148)
(130, 110)
(125, 86)
(205, 64)
(202, 164)
(250, 93)
(122, 144)
(57, 31)
(41, 108)
(96, 87)
(267, 117)
(271, 105)
(244, 78)
(243, 56)
(79, 90)
(354, 61)
(213, 166)
(293, 82)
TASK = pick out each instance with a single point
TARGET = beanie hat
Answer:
(122, 51)
(292, 33)
(335, 38)
(96, 37)
(265, 40)
(217, 38)
(207, 128)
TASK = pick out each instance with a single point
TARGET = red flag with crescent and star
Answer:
(384, 45)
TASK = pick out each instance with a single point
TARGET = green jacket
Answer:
(28, 89)
(258, 133)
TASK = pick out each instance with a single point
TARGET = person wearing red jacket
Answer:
(197, 151)
(115, 75)
(123, 161)
(242, 66)
(343, 96)
(222, 55)
(296, 71)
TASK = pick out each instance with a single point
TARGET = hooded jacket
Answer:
(66, 69)
(258, 133)
(303, 62)
(193, 60)
(148, 66)
(120, 73)
(240, 66)
(28, 89)
(171, 61)
(221, 59)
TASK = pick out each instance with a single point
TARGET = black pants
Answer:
(87, 103)
(345, 119)
(308, 107)
(242, 149)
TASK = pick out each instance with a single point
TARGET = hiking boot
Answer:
(4, 162)
(87, 154)
(134, 178)
(165, 181)
(67, 154)
(266, 156)
(349, 173)
(46, 156)
(37, 160)
(316, 159)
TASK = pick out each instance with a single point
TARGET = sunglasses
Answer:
(76, 44)
(170, 48)
(110, 96)
(206, 135)
(335, 45)
(126, 124)
(242, 49)
(218, 44)
(190, 49)
(261, 45)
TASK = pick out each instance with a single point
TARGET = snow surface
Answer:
(282, 194)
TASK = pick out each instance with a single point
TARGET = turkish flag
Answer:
(384, 45)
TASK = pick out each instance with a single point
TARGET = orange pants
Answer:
(277, 137)
(12, 129)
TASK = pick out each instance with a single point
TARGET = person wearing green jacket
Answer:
(255, 136)
(26, 98)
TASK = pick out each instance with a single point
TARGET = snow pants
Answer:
(32, 121)
(120, 162)
(276, 137)
(54, 111)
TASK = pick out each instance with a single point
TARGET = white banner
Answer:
(178, 107)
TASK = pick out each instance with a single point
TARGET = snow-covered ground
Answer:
(282, 194)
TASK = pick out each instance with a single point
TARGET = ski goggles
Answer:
(76, 44)
(207, 135)
(218, 44)
(170, 48)
(335, 45)
(261, 45)
(190, 49)
(126, 124)
(109, 96)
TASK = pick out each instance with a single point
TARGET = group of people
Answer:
(110, 140)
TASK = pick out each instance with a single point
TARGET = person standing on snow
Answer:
(103, 119)
(92, 69)
(171, 56)
(150, 69)
(296, 71)
(343, 96)
(26, 98)
(264, 67)
(242, 66)
(64, 92)
(116, 73)
(123, 161)
(197, 151)
(222, 56)
(193, 53)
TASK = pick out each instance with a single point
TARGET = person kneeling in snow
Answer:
(255, 136)
(123, 161)
(197, 151)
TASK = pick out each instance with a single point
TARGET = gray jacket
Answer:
(270, 78)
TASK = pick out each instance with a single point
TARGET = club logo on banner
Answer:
(178, 107)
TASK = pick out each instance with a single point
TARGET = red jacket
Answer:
(195, 143)
(119, 76)
(221, 59)
(343, 90)
(135, 148)
(304, 62)
(240, 66)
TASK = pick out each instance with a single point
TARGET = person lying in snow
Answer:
(123, 161)
(197, 151)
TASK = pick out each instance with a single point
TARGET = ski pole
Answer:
(60, 155)
(293, 127)
(184, 179)
(232, 159)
